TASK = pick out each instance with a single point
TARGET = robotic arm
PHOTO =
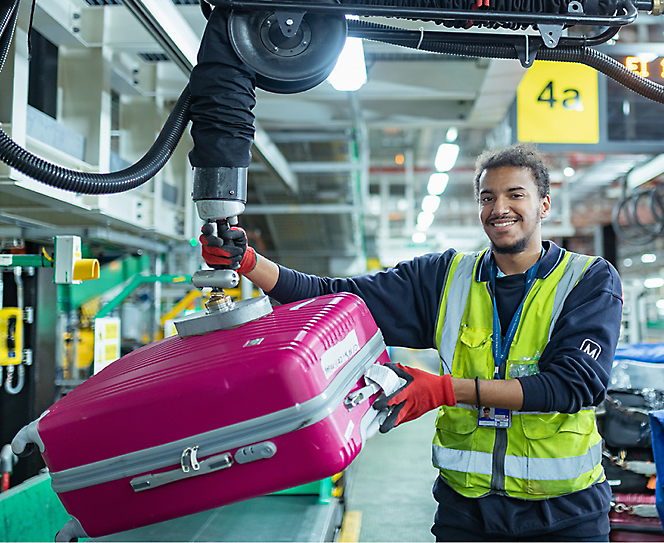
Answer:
(291, 46)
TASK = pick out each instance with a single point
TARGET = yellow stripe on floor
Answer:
(350, 527)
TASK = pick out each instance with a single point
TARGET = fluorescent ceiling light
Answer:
(654, 282)
(569, 171)
(446, 157)
(419, 237)
(644, 173)
(648, 258)
(452, 134)
(627, 262)
(430, 203)
(350, 72)
(660, 304)
(437, 183)
(424, 220)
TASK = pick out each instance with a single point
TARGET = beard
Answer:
(517, 247)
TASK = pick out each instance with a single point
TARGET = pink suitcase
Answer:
(188, 424)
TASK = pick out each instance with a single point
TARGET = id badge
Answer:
(495, 417)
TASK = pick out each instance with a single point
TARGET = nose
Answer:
(500, 205)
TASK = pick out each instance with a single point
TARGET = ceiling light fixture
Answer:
(654, 282)
(350, 72)
(569, 171)
(648, 258)
(430, 203)
(424, 220)
(419, 237)
(437, 183)
(446, 157)
(452, 134)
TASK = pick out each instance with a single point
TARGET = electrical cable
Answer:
(629, 219)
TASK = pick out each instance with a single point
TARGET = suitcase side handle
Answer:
(377, 377)
(190, 467)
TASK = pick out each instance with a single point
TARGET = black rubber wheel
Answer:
(288, 64)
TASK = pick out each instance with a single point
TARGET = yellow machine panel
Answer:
(11, 336)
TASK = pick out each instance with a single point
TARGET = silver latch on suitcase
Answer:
(188, 459)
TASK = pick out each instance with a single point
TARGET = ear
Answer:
(545, 207)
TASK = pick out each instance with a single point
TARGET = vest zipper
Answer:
(500, 442)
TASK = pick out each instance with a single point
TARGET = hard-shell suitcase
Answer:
(188, 424)
(633, 517)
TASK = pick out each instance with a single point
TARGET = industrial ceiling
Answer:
(340, 176)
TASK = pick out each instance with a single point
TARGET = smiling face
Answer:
(511, 209)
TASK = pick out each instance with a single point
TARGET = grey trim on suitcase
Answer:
(223, 439)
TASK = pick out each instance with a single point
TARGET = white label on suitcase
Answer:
(337, 355)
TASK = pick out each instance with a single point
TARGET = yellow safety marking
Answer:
(350, 527)
(181, 305)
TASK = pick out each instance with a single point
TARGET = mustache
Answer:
(501, 218)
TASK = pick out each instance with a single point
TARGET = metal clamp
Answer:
(188, 460)
(646, 510)
(356, 397)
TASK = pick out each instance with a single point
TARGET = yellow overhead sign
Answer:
(557, 102)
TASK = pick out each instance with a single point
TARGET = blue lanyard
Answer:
(501, 347)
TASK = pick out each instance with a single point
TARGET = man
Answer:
(525, 328)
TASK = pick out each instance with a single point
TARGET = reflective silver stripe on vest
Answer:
(573, 272)
(456, 305)
(519, 467)
(467, 461)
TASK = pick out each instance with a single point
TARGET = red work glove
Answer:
(422, 392)
(230, 250)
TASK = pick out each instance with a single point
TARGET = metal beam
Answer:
(170, 29)
(316, 167)
(302, 209)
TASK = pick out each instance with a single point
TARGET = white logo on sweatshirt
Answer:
(591, 348)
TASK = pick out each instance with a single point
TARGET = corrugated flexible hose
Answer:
(578, 54)
(137, 174)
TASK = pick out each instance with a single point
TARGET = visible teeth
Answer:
(503, 223)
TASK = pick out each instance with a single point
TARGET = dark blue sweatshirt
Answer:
(404, 301)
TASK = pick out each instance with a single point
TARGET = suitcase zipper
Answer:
(230, 437)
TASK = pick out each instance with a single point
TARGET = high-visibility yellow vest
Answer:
(542, 455)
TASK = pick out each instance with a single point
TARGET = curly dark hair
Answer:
(521, 155)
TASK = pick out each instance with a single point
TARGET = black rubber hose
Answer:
(103, 183)
(90, 183)
(609, 67)
(8, 19)
(582, 55)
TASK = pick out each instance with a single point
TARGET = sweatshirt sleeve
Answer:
(403, 300)
(576, 364)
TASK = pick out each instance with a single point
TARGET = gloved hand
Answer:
(422, 392)
(229, 250)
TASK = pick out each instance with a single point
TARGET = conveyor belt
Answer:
(268, 518)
